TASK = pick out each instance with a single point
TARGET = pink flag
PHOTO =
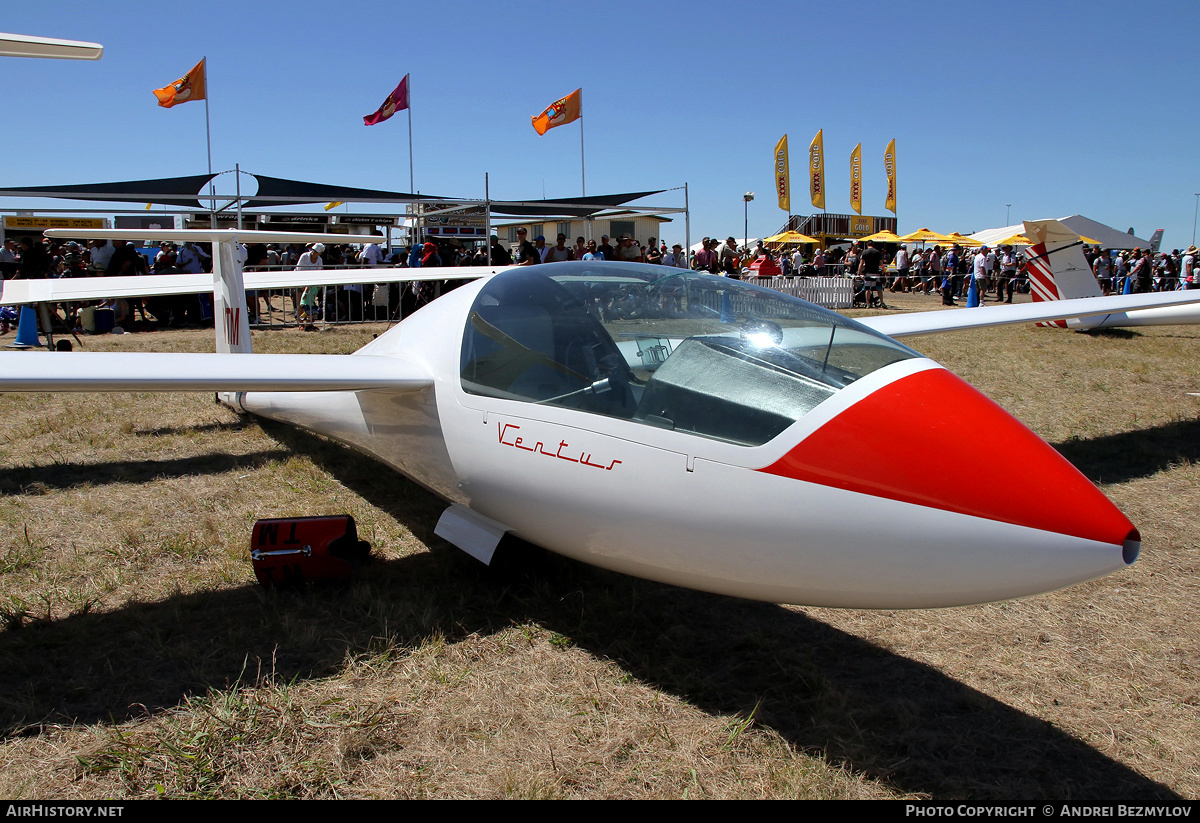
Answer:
(396, 101)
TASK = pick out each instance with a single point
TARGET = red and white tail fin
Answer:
(1056, 265)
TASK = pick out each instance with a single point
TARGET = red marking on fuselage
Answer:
(508, 430)
(958, 452)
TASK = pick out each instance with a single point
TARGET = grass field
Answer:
(139, 658)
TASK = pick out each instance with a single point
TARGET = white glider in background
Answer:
(671, 425)
(1058, 271)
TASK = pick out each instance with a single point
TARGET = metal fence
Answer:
(830, 292)
(325, 306)
(332, 304)
(389, 302)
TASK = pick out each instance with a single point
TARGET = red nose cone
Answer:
(931, 439)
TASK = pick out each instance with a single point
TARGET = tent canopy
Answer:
(163, 191)
(567, 206)
(1105, 236)
(280, 191)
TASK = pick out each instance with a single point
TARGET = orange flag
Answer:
(190, 87)
(567, 110)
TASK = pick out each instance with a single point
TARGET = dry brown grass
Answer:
(140, 659)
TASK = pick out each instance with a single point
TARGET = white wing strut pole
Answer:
(229, 299)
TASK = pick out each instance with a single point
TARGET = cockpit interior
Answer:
(665, 347)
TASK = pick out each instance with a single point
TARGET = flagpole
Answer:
(687, 227)
(412, 186)
(589, 221)
(212, 198)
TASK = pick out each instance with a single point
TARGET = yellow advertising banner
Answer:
(816, 170)
(856, 179)
(862, 226)
(889, 166)
(782, 184)
(35, 222)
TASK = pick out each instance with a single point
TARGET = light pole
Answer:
(1007, 212)
(748, 196)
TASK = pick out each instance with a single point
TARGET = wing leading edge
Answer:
(140, 371)
(931, 322)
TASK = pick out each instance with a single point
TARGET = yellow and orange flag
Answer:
(856, 179)
(783, 184)
(560, 112)
(816, 170)
(192, 86)
(889, 166)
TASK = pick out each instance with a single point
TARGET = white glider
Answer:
(675, 426)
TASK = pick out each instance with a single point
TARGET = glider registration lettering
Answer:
(509, 430)
(232, 325)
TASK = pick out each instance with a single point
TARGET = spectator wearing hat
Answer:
(1008, 274)
(627, 252)
(728, 257)
(311, 260)
(1187, 269)
(675, 257)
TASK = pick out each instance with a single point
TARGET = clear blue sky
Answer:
(1056, 108)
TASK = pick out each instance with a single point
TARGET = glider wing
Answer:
(931, 322)
(141, 371)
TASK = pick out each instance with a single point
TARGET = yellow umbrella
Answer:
(884, 236)
(963, 240)
(790, 237)
(924, 236)
(1015, 240)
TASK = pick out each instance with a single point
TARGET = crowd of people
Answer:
(949, 271)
